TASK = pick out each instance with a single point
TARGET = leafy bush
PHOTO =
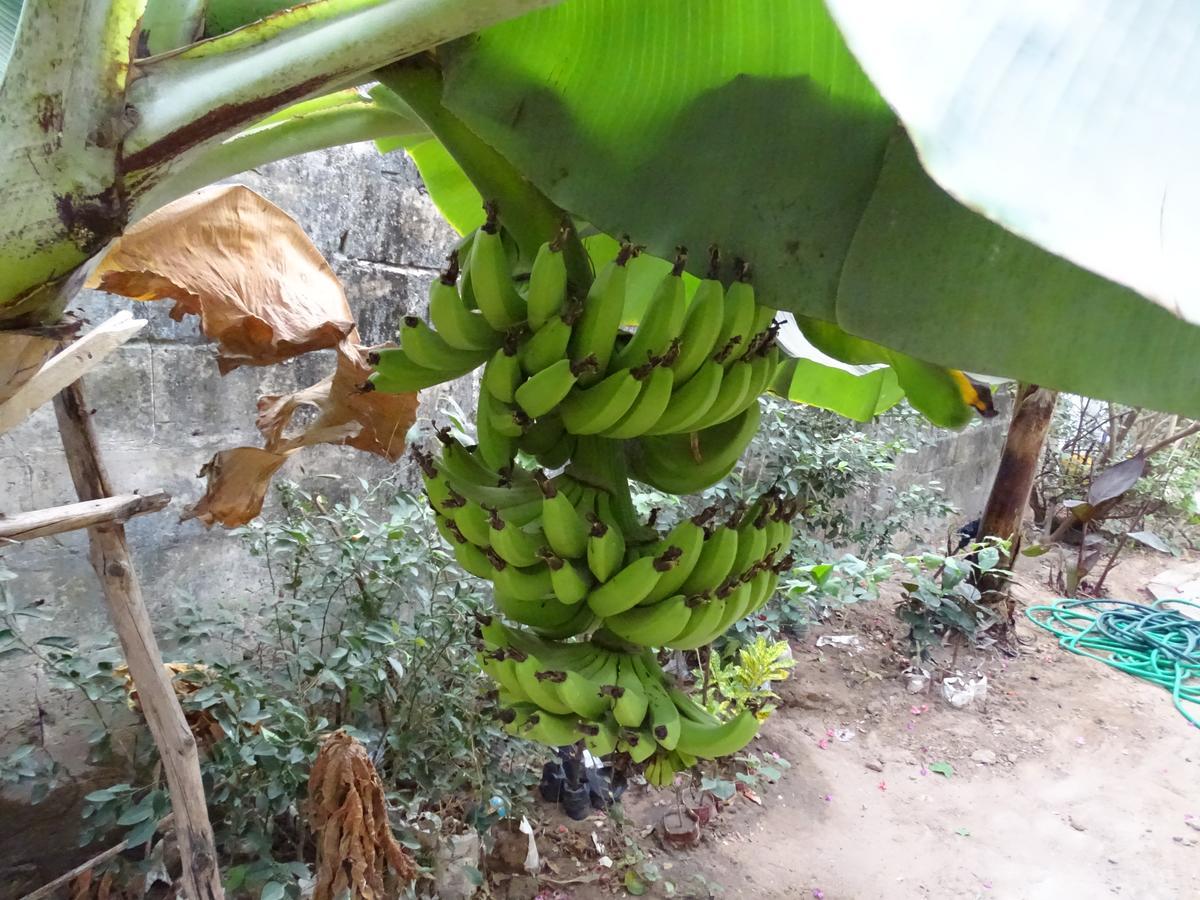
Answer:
(367, 625)
(744, 678)
(941, 602)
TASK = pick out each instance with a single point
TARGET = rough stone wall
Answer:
(162, 410)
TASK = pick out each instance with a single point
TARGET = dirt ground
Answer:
(1071, 781)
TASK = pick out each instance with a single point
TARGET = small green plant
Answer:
(745, 678)
(365, 624)
(941, 603)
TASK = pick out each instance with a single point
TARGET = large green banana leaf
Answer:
(751, 125)
(1072, 124)
(849, 376)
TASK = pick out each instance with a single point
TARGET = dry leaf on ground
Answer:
(201, 722)
(261, 288)
(237, 485)
(348, 819)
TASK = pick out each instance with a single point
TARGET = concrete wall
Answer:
(162, 411)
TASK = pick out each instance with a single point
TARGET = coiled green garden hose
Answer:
(1150, 641)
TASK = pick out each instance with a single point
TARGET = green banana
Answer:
(596, 332)
(395, 373)
(731, 398)
(427, 348)
(752, 538)
(502, 669)
(581, 694)
(594, 409)
(661, 461)
(689, 708)
(442, 496)
(502, 374)
(491, 276)
(626, 588)
(716, 559)
(535, 682)
(471, 558)
(566, 529)
(737, 325)
(543, 392)
(701, 628)
(690, 403)
(701, 328)
(547, 345)
(736, 597)
(551, 730)
(662, 321)
(664, 718)
(641, 745)
(647, 409)
(708, 741)
(570, 583)
(689, 537)
(580, 621)
(629, 697)
(472, 521)
(459, 326)
(516, 546)
(531, 585)
(541, 435)
(600, 736)
(651, 626)
(606, 543)
(547, 283)
(496, 446)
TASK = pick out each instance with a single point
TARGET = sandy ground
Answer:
(1089, 783)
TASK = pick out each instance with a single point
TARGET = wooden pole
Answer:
(1019, 461)
(25, 526)
(201, 879)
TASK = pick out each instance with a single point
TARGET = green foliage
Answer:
(744, 678)
(829, 200)
(367, 626)
(941, 601)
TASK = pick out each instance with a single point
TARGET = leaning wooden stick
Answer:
(25, 526)
(110, 558)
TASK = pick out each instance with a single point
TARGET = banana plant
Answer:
(110, 109)
(909, 180)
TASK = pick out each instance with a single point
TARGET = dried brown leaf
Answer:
(261, 288)
(367, 420)
(237, 485)
(21, 355)
(348, 818)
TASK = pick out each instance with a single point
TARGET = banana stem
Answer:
(526, 212)
(601, 462)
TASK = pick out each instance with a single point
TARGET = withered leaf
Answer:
(237, 485)
(21, 355)
(367, 420)
(348, 818)
(261, 288)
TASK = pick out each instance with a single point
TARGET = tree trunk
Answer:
(110, 558)
(1019, 462)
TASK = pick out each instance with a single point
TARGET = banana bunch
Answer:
(684, 369)
(559, 693)
(584, 592)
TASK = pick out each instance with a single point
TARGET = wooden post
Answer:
(26, 526)
(1019, 462)
(176, 746)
